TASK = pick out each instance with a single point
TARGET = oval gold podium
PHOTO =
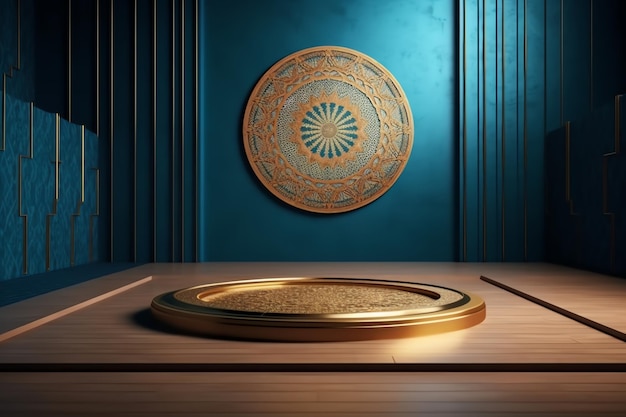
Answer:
(318, 309)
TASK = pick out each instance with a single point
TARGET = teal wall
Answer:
(416, 219)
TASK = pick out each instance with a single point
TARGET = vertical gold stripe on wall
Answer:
(182, 129)
(96, 213)
(618, 133)
(82, 164)
(111, 123)
(503, 109)
(173, 133)
(464, 132)
(525, 132)
(154, 131)
(561, 64)
(55, 202)
(196, 131)
(591, 55)
(605, 178)
(567, 161)
(98, 68)
(484, 121)
(19, 35)
(20, 181)
(618, 136)
(79, 204)
(69, 60)
(3, 141)
(135, 131)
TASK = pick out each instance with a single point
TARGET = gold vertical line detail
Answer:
(182, 129)
(196, 131)
(98, 68)
(135, 131)
(111, 124)
(80, 202)
(69, 60)
(562, 24)
(618, 133)
(20, 181)
(464, 131)
(57, 157)
(19, 34)
(173, 132)
(591, 55)
(3, 143)
(154, 131)
(82, 164)
(17, 66)
(567, 160)
(484, 120)
(503, 58)
(605, 178)
(96, 213)
(525, 132)
(55, 201)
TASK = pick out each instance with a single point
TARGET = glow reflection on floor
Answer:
(427, 347)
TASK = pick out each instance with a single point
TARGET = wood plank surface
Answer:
(121, 329)
(313, 394)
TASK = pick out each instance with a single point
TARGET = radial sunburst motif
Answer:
(329, 130)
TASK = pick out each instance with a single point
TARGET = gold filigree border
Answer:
(326, 187)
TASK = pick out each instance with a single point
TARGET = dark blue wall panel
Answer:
(586, 174)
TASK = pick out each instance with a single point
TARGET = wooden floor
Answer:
(94, 349)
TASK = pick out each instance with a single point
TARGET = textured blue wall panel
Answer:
(39, 188)
(37, 233)
(60, 221)
(10, 223)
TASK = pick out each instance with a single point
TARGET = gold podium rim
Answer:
(185, 309)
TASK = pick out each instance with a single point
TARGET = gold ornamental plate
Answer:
(328, 129)
(318, 309)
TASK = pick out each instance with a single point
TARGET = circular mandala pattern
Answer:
(327, 130)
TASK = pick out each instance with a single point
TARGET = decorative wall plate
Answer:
(328, 129)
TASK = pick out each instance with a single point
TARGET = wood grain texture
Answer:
(313, 394)
(119, 331)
